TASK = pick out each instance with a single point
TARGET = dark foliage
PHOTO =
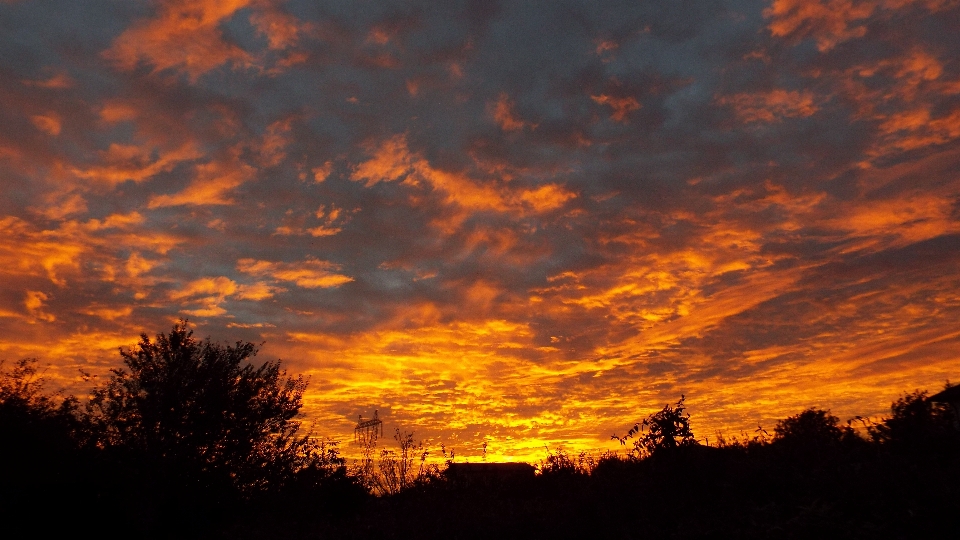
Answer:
(662, 431)
(916, 423)
(197, 412)
(190, 440)
(815, 477)
(814, 427)
(186, 437)
(34, 426)
(814, 436)
(561, 463)
(41, 460)
(26, 409)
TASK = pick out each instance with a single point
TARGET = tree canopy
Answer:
(201, 409)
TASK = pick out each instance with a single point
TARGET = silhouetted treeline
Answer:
(186, 435)
(189, 439)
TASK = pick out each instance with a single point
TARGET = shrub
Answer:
(561, 462)
(915, 421)
(812, 426)
(665, 430)
(395, 471)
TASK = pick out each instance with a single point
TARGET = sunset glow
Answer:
(504, 222)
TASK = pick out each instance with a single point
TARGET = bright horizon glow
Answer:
(490, 222)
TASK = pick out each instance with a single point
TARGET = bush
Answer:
(665, 430)
(561, 462)
(915, 422)
(395, 471)
(811, 427)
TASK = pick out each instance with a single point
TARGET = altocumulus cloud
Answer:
(494, 221)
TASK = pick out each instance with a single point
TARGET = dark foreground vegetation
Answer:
(189, 439)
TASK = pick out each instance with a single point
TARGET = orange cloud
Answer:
(109, 313)
(219, 286)
(912, 217)
(810, 271)
(48, 123)
(476, 389)
(390, 161)
(829, 22)
(605, 46)
(118, 111)
(546, 198)
(282, 30)
(906, 121)
(771, 106)
(393, 161)
(184, 35)
(622, 106)
(257, 292)
(60, 81)
(913, 110)
(34, 303)
(137, 265)
(379, 36)
(211, 185)
(919, 65)
(123, 162)
(59, 206)
(211, 292)
(911, 74)
(321, 173)
(504, 116)
(273, 143)
(308, 274)
(413, 87)
(57, 253)
(331, 220)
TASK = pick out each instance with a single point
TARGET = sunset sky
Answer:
(523, 223)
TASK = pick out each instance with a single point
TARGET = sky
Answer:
(527, 224)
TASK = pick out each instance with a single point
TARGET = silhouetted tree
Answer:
(812, 426)
(22, 396)
(915, 421)
(39, 454)
(664, 430)
(197, 411)
(815, 437)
